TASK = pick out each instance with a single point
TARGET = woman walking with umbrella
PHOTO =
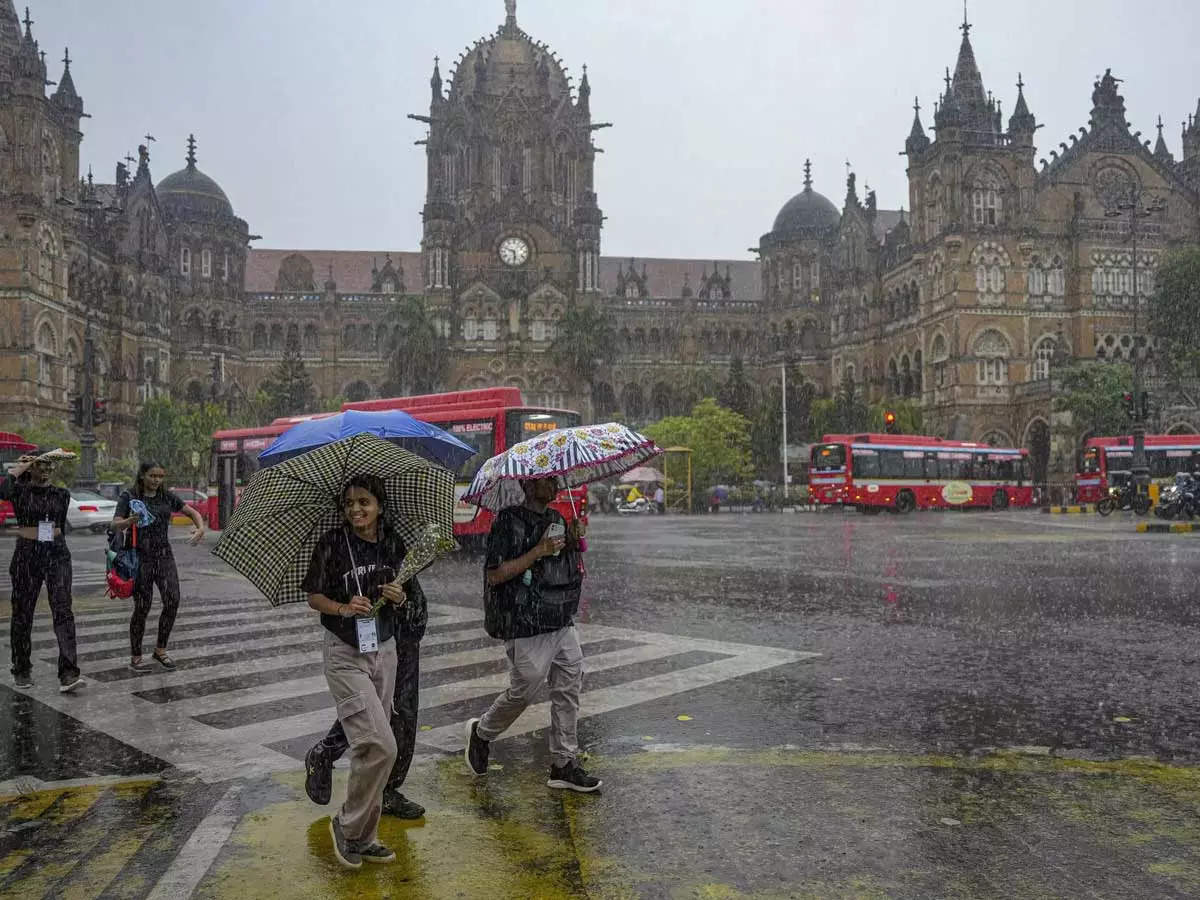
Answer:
(41, 555)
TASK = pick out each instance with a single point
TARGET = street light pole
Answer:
(783, 402)
(1141, 470)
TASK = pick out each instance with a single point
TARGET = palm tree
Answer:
(417, 354)
(586, 340)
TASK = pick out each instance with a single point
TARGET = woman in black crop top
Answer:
(40, 556)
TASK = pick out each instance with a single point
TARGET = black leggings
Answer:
(404, 714)
(32, 564)
(161, 571)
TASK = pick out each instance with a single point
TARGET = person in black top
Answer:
(156, 561)
(353, 566)
(41, 555)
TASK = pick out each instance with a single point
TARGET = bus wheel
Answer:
(1000, 500)
(905, 502)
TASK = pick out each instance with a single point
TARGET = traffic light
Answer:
(99, 411)
(1127, 404)
(77, 412)
(1145, 406)
(889, 422)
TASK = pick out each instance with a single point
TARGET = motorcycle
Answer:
(1125, 497)
(1179, 500)
(639, 507)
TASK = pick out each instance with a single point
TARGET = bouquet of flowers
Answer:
(431, 544)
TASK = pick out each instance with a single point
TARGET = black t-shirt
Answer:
(331, 573)
(35, 503)
(550, 598)
(155, 538)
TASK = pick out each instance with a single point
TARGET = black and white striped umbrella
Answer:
(285, 509)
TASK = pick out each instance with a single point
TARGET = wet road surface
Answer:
(819, 705)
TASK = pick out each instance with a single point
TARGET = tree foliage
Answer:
(737, 393)
(1091, 393)
(766, 434)
(418, 358)
(170, 432)
(289, 388)
(586, 339)
(720, 442)
(1175, 307)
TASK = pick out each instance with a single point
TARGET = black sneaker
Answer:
(476, 752)
(396, 804)
(165, 661)
(68, 683)
(318, 774)
(24, 680)
(572, 777)
(377, 853)
(346, 851)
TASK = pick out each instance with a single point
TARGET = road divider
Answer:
(1167, 528)
(1069, 510)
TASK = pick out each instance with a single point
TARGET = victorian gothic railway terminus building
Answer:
(1007, 263)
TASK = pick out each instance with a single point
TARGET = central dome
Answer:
(807, 211)
(510, 58)
(190, 192)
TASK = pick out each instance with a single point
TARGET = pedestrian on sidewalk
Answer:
(40, 557)
(150, 506)
(532, 584)
(352, 566)
(660, 499)
(410, 619)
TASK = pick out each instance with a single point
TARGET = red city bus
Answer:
(906, 472)
(12, 448)
(490, 419)
(1107, 462)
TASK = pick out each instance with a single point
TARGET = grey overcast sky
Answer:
(299, 106)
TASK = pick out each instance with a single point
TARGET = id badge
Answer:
(368, 635)
(45, 531)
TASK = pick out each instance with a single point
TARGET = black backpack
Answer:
(515, 609)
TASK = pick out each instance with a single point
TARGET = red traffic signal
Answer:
(889, 422)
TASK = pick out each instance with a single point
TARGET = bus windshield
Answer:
(828, 457)
(1090, 463)
(524, 424)
(480, 434)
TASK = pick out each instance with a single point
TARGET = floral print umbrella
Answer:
(576, 455)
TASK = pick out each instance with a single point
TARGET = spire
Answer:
(808, 175)
(851, 190)
(1160, 147)
(66, 96)
(585, 92)
(1022, 122)
(917, 139)
(510, 13)
(191, 154)
(967, 86)
(435, 81)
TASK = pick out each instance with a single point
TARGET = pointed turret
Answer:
(967, 86)
(10, 35)
(66, 97)
(29, 62)
(851, 191)
(1161, 153)
(917, 141)
(585, 94)
(1021, 124)
(1191, 135)
(435, 84)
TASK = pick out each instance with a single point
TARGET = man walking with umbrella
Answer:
(533, 586)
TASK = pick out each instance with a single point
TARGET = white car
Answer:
(90, 510)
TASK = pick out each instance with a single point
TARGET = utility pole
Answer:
(783, 403)
(1133, 205)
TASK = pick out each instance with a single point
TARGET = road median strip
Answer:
(1069, 510)
(1167, 528)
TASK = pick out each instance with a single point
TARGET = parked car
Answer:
(89, 509)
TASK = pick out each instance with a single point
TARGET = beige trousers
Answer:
(362, 684)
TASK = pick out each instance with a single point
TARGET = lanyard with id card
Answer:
(45, 531)
(367, 629)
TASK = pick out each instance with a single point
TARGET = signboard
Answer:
(956, 493)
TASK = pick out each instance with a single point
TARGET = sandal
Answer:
(165, 661)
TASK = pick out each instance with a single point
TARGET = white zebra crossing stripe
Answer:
(231, 703)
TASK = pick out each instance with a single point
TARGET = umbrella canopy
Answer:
(576, 455)
(393, 425)
(285, 509)
(642, 475)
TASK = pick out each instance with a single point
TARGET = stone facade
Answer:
(1000, 270)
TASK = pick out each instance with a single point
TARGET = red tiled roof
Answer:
(352, 271)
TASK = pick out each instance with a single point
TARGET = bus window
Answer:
(954, 466)
(828, 457)
(1090, 463)
(891, 464)
(914, 464)
(480, 434)
(1173, 461)
(525, 424)
(866, 464)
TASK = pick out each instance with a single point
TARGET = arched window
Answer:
(293, 336)
(934, 209)
(311, 337)
(1036, 278)
(470, 329)
(939, 353)
(991, 358)
(195, 327)
(47, 350)
(48, 247)
(491, 329)
(206, 263)
(225, 266)
(276, 336)
(1056, 279)
(991, 263)
(258, 338)
(797, 276)
(185, 262)
(1043, 354)
(70, 370)
(985, 200)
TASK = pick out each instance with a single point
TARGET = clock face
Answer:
(514, 251)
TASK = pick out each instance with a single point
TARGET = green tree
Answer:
(158, 431)
(289, 388)
(586, 339)
(766, 432)
(737, 393)
(194, 431)
(720, 442)
(418, 361)
(1175, 307)
(843, 413)
(1092, 394)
